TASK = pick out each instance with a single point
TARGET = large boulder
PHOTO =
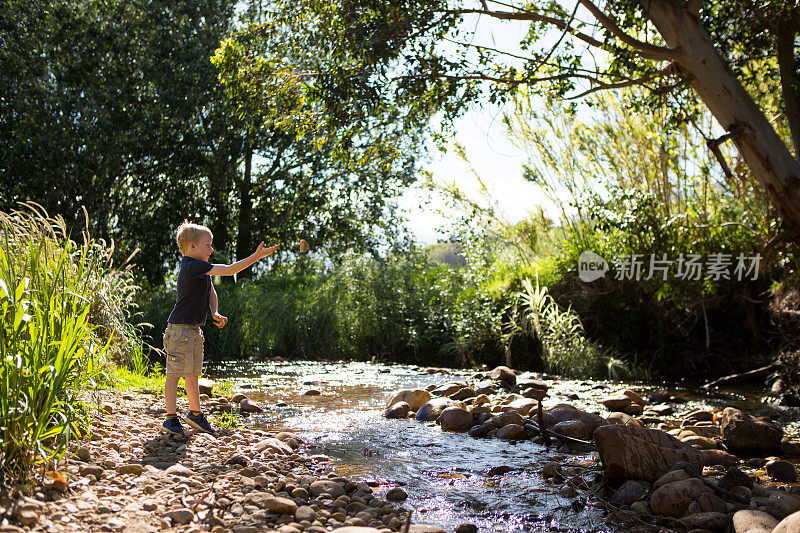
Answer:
(456, 419)
(782, 504)
(641, 453)
(415, 398)
(672, 499)
(746, 434)
(431, 410)
(504, 375)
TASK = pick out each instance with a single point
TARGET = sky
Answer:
(489, 150)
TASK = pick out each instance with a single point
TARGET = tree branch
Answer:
(618, 85)
(645, 49)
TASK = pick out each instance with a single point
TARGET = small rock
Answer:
(616, 403)
(312, 392)
(396, 495)
(206, 386)
(132, 468)
(711, 503)
(398, 410)
(710, 521)
(247, 406)
(781, 470)
(552, 469)
(751, 521)
(305, 512)
(180, 516)
(504, 375)
(107, 408)
(281, 505)
(83, 453)
(628, 493)
(466, 527)
(330, 488)
(720, 458)
(94, 470)
(743, 433)
(179, 470)
(512, 432)
(781, 504)
(415, 398)
(456, 419)
(237, 459)
(674, 498)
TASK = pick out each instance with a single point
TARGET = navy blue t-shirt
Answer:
(194, 292)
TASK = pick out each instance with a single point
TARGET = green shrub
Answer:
(48, 345)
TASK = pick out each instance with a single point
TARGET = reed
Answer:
(53, 293)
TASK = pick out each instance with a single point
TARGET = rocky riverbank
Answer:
(130, 477)
(656, 463)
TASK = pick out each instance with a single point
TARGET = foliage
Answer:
(559, 334)
(227, 419)
(48, 345)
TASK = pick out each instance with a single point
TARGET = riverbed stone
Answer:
(572, 428)
(672, 499)
(679, 474)
(180, 516)
(642, 453)
(398, 410)
(432, 409)
(616, 403)
(781, 470)
(456, 419)
(463, 394)
(425, 528)
(247, 406)
(782, 504)
(504, 375)
(711, 503)
(281, 505)
(629, 492)
(272, 445)
(206, 386)
(504, 419)
(746, 434)
(396, 495)
(712, 521)
(466, 527)
(752, 521)
(590, 421)
(512, 432)
(623, 419)
(790, 524)
(523, 406)
(702, 443)
(447, 389)
(330, 488)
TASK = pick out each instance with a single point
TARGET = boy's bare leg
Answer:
(171, 394)
(193, 393)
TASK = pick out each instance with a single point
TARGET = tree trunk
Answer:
(760, 146)
(244, 237)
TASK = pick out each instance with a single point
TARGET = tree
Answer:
(572, 49)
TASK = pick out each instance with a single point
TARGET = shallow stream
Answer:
(446, 475)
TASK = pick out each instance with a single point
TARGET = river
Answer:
(446, 475)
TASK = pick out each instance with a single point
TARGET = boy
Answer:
(183, 338)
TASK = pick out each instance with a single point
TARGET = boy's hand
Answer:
(219, 320)
(262, 252)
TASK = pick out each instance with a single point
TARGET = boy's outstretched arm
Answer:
(238, 266)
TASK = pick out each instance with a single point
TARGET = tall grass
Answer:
(52, 293)
(559, 334)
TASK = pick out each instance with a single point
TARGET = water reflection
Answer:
(445, 474)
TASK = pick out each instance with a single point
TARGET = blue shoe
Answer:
(172, 425)
(200, 422)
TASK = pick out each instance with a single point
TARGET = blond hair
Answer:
(188, 233)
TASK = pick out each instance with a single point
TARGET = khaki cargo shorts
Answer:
(183, 344)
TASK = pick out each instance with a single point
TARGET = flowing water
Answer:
(446, 475)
